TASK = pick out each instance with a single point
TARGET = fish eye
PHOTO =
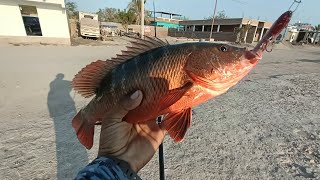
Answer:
(223, 49)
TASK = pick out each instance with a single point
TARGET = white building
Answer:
(34, 21)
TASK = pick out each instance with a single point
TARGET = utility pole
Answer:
(154, 20)
(214, 15)
(142, 19)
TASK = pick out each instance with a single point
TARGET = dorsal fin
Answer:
(139, 46)
(89, 78)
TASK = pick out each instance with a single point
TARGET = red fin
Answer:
(139, 46)
(174, 95)
(84, 130)
(89, 78)
(177, 124)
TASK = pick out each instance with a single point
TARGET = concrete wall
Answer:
(217, 36)
(60, 2)
(253, 22)
(52, 17)
(53, 21)
(161, 31)
(251, 35)
(233, 21)
(11, 22)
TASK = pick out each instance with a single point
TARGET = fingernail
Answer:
(134, 95)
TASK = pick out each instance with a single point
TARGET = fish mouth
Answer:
(253, 56)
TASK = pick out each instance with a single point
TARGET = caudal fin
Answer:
(84, 130)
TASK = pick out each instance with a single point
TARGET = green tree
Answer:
(135, 7)
(219, 15)
(109, 14)
(126, 17)
(71, 8)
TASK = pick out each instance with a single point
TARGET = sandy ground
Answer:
(266, 127)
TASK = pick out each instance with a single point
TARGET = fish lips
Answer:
(252, 56)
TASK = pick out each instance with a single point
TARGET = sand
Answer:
(265, 127)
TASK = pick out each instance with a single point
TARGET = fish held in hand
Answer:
(173, 79)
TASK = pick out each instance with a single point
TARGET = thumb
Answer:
(126, 104)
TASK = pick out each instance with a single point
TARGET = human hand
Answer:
(133, 143)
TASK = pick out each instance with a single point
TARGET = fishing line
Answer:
(298, 2)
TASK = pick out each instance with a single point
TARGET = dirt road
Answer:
(266, 127)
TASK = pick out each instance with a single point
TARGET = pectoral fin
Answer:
(173, 96)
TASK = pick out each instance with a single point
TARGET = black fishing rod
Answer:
(161, 157)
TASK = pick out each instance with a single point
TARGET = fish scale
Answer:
(173, 79)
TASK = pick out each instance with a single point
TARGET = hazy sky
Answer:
(269, 10)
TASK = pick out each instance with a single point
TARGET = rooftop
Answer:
(166, 13)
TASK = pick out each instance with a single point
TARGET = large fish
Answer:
(173, 79)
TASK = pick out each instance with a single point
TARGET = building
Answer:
(229, 29)
(303, 26)
(167, 22)
(34, 21)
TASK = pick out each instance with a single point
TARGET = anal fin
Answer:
(84, 130)
(177, 124)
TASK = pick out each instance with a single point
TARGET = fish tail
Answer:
(84, 130)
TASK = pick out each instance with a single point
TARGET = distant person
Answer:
(124, 148)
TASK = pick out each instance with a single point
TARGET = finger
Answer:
(126, 104)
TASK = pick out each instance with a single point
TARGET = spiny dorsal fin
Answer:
(139, 46)
(88, 79)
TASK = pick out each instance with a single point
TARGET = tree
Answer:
(126, 17)
(243, 32)
(135, 7)
(219, 15)
(71, 8)
(109, 14)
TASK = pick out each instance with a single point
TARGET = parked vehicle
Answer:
(89, 25)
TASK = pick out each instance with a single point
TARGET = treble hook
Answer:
(294, 2)
(266, 46)
(270, 49)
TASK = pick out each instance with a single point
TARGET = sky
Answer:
(267, 10)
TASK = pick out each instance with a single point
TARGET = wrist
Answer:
(122, 164)
(120, 158)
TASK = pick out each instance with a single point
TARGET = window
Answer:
(31, 21)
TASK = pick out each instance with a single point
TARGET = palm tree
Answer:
(135, 7)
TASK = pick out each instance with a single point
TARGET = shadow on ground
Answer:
(71, 155)
(310, 60)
